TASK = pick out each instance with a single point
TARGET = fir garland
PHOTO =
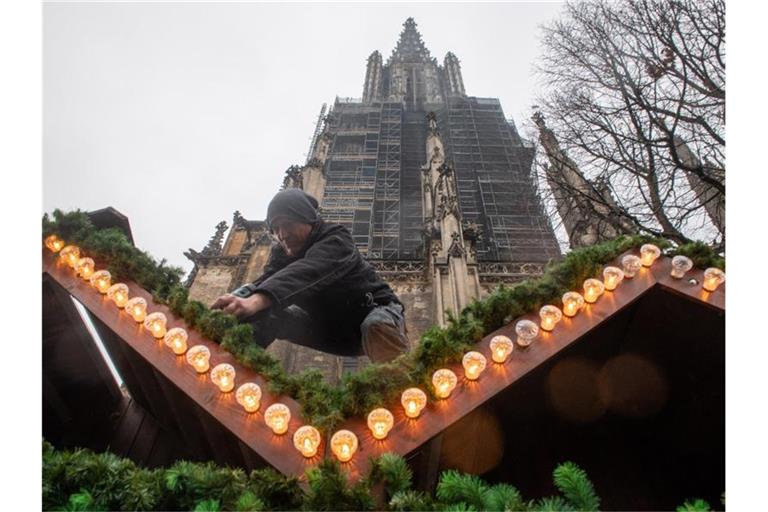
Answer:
(377, 385)
(83, 480)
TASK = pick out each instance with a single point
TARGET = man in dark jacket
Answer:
(317, 290)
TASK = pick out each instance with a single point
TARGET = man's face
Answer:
(291, 234)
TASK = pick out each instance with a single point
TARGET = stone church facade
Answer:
(435, 186)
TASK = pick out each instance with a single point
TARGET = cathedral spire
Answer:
(452, 70)
(372, 86)
(410, 48)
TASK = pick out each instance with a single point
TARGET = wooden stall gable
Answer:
(215, 427)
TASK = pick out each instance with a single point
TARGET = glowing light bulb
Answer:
(54, 244)
(249, 396)
(155, 324)
(85, 268)
(307, 440)
(118, 293)
(631, 265)
(380, 421)
(198, 357)
(526, 332)
(474, 363)
(444, 381)
(612, 277)
(501, 346)
(593, 289)
(648, 254)
(572, 303)
(101, 280)
(176, 340)
(223, 375)
(137, 308)
(550, 315)
(413, 400)
(713, 277)
(344, 445)
(69, 255)
(277, 417)
(680, 265)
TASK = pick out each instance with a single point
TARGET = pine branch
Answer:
(248, 502)
(503, 497)
(411, 501)
(456, 487)
(551, 504)
(208, 506)
(81, 501)
(573, 482)
(697, 505)
(329, 490)
(394, 471)
(459, 507)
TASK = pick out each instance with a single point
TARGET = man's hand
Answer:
(242, 307)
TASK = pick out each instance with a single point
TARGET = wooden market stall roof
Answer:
(190, 404)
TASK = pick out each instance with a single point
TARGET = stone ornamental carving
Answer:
(398, 266)
(430, 230)
(237, 219)
(456, 250)
(437, 248)
(293, 177)
(472, 231)
(203, 261)
(446, 198)
(508, 272)
(213, 248)
(400, 270)
(315, 162)
(432, 122)
(437, 156)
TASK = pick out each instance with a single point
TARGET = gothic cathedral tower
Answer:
(435, 186)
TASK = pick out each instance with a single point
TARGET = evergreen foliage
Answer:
(80, 501)
(573, 483)
(411, 501)
(504, 497)
(393, 471)
(551, 504)
(455, 487)
(378, 384)
(249, 502)
(208, 506)
(329, 489)
(83, 480)
(697, 505)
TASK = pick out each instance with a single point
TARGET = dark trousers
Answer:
(382, 334)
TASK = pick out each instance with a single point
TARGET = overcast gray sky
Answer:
(179, 114)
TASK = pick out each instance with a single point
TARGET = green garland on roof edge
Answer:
(83, 480)
(377, 385)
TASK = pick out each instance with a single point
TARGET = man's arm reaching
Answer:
(242, 307)
(243, 302)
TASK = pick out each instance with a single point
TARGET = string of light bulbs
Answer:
(344, 443)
